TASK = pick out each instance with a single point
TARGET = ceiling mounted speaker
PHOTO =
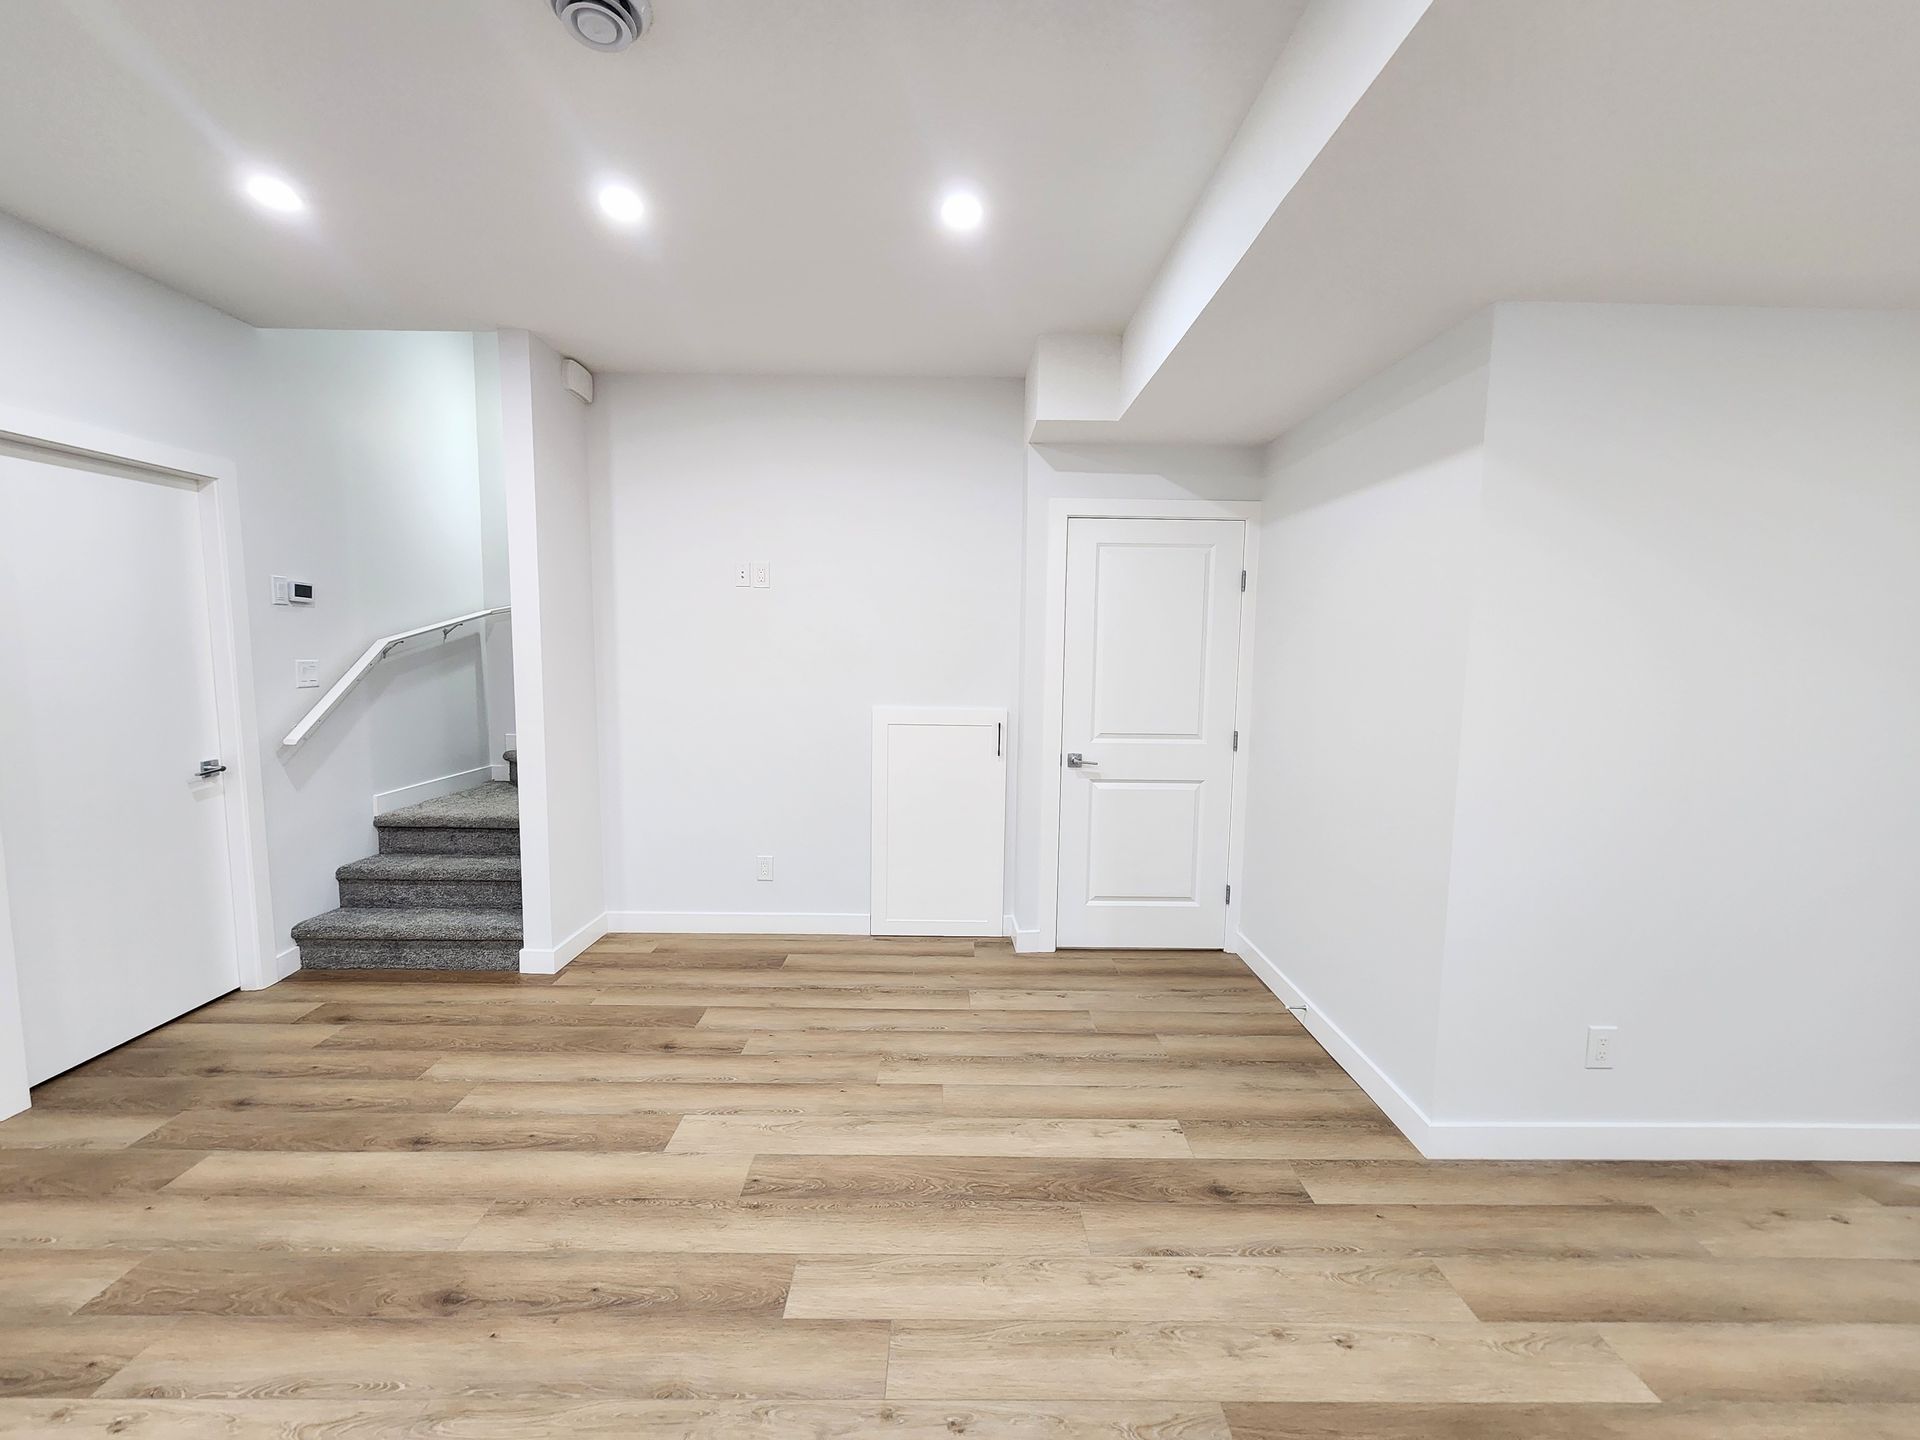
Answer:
(608, 25)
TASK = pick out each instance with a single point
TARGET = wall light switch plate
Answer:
(763, 867)
(306, 674)
(762, 575)
(282, 590)
(742, 575)
(1600, 1042)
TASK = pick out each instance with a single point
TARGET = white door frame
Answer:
(232, 655)
(1053, 660)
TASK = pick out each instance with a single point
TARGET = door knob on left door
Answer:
(1077, 761)
(210, 768)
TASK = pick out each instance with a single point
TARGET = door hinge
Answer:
(1243, 582)
(1236, 742)
(1229, 894)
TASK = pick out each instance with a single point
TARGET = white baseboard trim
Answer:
(1380, 1086)
(1577, 1139)
(285, 962)
(502, 771)
(431, 789)
(1025, 942)
(535, 961)
(730, 922)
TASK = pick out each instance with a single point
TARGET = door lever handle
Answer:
(1076, 761)
(210, 768)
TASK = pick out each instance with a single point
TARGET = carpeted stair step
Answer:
(384, 938)
(458, 882)
(482, 821)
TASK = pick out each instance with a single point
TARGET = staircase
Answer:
(442, 894)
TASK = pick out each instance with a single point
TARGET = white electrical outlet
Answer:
(763, 867)
(306, 674)
(1600, 1042)
(762, 575)
(742, 575)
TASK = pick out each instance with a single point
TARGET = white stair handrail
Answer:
(372, 656)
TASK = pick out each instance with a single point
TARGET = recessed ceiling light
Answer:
(622, 204)
(961, 210)
(270, 192)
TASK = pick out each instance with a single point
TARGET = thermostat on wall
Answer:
(299, 592)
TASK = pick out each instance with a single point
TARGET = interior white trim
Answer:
(432, 789)
(1577, 1139)
(1053, 666)
(286, 961)
(726, 922)
(243, 791)
(552, 962)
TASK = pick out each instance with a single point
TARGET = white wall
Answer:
(1072, 472)
(1368, 546)
(738, 721)
(550, 558)
(495, 570)
(355, 459)
(1689, 790)
(1600, 709)
(360, 476)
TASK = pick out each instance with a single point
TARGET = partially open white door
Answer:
(116, 852)
(1152, 645)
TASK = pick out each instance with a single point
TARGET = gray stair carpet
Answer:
(442, 894)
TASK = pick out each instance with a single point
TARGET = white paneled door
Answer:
(115, 851)
(939, 820)
(1147, 718)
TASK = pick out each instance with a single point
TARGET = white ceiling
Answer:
(792, 152)
(1738, 152)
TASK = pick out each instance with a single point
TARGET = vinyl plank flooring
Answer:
(1572, 1422)
(182, 1063)
(71, 1356)
(1364, 1138)
(1441, 1362)
(438, 1284)
(1254, 1291)
(280, 1419)
(1468, 1182)
(1690, 1291)
(1384, 1230)
(695, 1187)
(1889, 1184)
(948, 1180)
(1846, 1233)
(665, 1032)
(725, 1068)
(1204, 1100)
(477, 1174)
(45, 1174)
(619, 1098)
(765, 1134)
(769, 1018)
(576, 1356)
(1789, 1362)
(1079, 1071)
(778, 1227)
(70, 1130)
(117, 1095)
(1026, 1044)
(302, 1130)
(44, 1284)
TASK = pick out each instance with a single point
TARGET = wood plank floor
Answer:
(821, 1187)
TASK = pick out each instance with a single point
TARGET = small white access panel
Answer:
(939, 820)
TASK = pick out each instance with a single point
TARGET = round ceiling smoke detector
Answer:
(607, 25)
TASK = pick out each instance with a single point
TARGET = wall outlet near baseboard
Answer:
(1600, 1042)
(763, 867)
